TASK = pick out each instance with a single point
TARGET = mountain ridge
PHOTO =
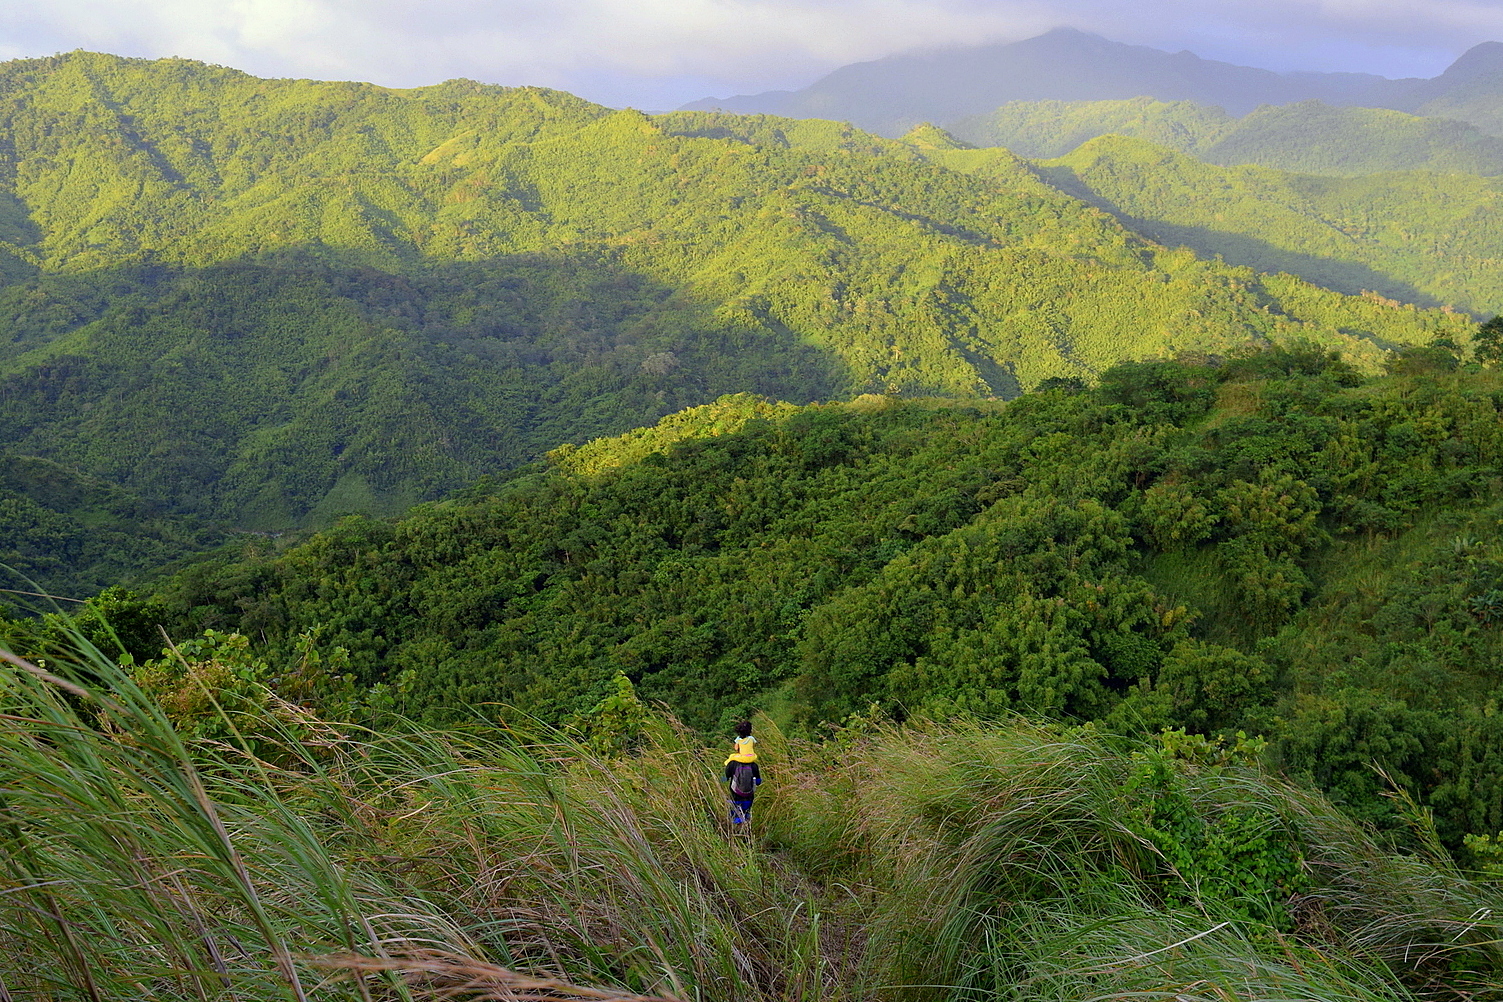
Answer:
(1308, 136)
(894, 93)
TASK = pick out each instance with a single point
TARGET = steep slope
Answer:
(269, 302)
(891, 95)
(1309, 136)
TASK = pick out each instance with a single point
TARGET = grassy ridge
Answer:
(292, 858)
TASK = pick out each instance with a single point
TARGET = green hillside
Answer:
(1046, 129)
(1276, 545)
(1318, 139)
(1309, 136)
(78, 535)
(269, 302)
(1417, 237)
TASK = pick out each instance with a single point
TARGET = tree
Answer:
(1487, 343)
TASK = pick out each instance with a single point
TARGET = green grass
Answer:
(300, 859)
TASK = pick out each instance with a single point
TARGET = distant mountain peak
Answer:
(1067, 33)
(892, 94)
(1484, 60)
(944, 85)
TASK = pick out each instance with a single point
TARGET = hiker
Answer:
(746, 745)
(742, 773)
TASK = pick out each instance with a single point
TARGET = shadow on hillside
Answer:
(1348, 277)
(288, 390)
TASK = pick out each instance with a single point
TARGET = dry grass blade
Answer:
(434, 974)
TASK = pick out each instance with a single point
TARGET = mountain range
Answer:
(269, 302)
(891, 95)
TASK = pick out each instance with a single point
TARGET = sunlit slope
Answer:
(275, 300)
(1309, 136)
(1416, 236)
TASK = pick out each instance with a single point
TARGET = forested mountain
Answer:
(1415, 236)
(269, 302)
(1005, 606)
(1276, 545)
(239, 304)
(891, 95)
(1309, 136)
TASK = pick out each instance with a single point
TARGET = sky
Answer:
(658, 54)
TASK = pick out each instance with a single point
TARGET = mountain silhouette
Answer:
(893, 94)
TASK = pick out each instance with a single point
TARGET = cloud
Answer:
(656, 53)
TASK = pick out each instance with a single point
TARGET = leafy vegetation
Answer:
(250, 848)
(1412, 237)
(1274, 544)
(80, 535)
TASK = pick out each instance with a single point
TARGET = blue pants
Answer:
(741, 811)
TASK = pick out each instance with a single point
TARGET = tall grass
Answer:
(947, 863)
(1001, 863)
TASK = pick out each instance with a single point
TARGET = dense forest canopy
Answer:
(1277, 545)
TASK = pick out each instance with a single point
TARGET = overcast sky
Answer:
(657, 54)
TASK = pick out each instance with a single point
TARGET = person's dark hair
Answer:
(743, 729)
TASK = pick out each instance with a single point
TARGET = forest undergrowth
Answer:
(289, 857)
